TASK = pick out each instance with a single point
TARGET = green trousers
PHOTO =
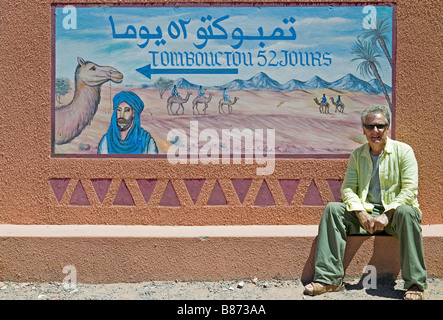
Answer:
(337, 223)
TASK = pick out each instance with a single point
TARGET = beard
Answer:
(123, 124)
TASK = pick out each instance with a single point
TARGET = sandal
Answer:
(414, 293)
(320, 288)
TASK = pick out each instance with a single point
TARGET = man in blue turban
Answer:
(125, 135)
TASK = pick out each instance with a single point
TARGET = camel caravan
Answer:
(176, 99)
(324, 105)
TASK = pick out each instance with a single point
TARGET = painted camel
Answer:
(229, 103)
(324, 107)
(204, 100)
(338, 106)
(179, 101)
(71, 119)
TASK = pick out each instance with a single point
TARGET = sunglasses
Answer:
(372, 126)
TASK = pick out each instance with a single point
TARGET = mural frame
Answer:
(55, 154)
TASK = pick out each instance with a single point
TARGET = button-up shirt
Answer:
(398, 175)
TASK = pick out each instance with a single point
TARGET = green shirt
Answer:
(398, 175)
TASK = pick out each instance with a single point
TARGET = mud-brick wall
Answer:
(36, 188)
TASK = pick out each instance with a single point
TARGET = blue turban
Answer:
(130, 98)
(137, 139)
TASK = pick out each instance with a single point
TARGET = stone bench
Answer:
(109, 254)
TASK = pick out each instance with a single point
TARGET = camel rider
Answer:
(338, 99)
(125, 134)
(175, 92)
(200, 92)
(225, 95)
(323, 100)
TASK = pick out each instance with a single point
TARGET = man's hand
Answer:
(371, 224)
(380, 222)
(366, 221)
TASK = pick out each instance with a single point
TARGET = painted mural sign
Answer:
(183, 80)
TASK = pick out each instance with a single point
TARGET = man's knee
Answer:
(407, 213)
(334, 208)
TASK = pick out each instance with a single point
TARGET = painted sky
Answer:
(331, 29)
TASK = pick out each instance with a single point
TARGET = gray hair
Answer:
(377, 109)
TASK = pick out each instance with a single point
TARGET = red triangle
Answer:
(241, 187)
(101, 187)
(146, 187)
(59, 186)
(335, 187)
(194, 187)
(217, 197)
(289, 186)
(123, 197)
(264, 196)
(313, 197)
(79, 197)
(169, 198)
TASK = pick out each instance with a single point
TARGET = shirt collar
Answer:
(387, 149)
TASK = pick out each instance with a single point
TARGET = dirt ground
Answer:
(247, 289)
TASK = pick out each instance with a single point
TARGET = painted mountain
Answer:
(261, 81)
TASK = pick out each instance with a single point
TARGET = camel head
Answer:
(94, 75)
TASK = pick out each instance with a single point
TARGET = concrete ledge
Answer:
(107, 254)
(63, 231)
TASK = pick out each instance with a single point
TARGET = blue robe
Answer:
(226, 96)
(174, 92)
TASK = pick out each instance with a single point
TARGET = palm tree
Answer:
(368, 67)
(379, 35)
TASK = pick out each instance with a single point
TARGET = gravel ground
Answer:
(248, 289)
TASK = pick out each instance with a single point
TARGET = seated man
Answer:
(379, 194)
(125, 135)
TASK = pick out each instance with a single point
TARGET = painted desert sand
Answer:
(300, 128)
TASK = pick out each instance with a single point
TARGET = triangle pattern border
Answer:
(63, 189)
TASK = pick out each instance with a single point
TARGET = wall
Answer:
(39, 189)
